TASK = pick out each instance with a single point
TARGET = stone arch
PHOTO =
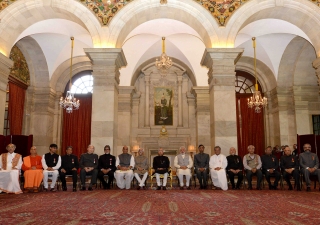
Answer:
(21, 14)
(265, 76)
(186, 11)
(306, 17)
(290, 59)
(39, 73)
(61, 76)
(150, 62)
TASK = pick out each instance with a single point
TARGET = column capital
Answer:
(5, 65)
(106, 56)
(212, 56)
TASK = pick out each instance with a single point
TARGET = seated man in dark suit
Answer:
(69, 166)
(89, 166)
(290, 167)
(161, 165)
(201, 166)
(107, 166)
(270, 166)
(234, 168)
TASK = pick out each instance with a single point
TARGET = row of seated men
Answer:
(125, 167)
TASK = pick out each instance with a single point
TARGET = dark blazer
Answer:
(234, 162)
(107, 161)
(201, 161)
(68, 162)
(161, 162)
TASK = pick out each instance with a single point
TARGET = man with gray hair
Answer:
(125, 165)
(309, 164)
(252, 164)
(89, 166)
(183, 162)
(141, 168)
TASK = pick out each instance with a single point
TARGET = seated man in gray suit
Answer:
(309, 164)
(201, 165)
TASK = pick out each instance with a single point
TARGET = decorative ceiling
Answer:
(105, 10)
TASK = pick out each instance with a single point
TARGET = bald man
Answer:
(10, 165)
(161, 165)
(89, 166)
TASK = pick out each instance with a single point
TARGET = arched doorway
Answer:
(250, 125)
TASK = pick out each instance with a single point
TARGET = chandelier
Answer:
(164, 63)
(69, 102)
(256, 101)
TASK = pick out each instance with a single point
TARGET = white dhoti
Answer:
(181, 173)
(123, 178)
(52, 175)
(143, 180)
(219, 178)
(9, 181)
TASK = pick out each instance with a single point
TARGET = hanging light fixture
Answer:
(70, 103)
(256, 100)
(164, 63)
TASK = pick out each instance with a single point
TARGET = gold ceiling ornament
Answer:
(256, 101)
(70, 103)
(164, 63)
(163, 2)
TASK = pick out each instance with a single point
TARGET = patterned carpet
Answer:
(162, 207)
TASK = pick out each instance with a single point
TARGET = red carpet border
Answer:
(162, 207)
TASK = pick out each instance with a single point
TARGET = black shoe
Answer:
(83, 188)
(259, 188)
(204, 187)
(233, 188)
(53, 190)
(270, 187)
(138, 188)
(188, 188)
(181, 188)
(290, 188)
(275, 188)
(164, 188)
(45, 189)
(64, 188)
(90, 189)
(159, 188)
(308, 189)
(249, 188)
(74, 189)
(237, 187)
(144, 188)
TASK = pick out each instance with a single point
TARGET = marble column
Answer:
(202, 117)
(223, 124)
(180, 116)
(147, 110)
(106, 63)
(124, 117)
(5, 65)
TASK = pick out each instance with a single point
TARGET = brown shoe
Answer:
(35, 190)
(26, 190)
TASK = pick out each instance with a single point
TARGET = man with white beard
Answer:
(183, 163)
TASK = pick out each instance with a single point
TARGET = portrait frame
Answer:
(163, 106)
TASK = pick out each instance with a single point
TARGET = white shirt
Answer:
(10, 157)
(218, 161)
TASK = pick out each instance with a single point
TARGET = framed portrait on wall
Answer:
(163, 106)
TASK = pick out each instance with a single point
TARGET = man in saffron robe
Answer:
(10, 165)
(218, 164)
(33, 172)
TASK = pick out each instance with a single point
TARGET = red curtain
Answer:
(15, 108)
(76, 131)
(250, 127)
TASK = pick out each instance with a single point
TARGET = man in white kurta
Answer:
(183, 163)
(218, 164)
(125, 165)
(10, 166)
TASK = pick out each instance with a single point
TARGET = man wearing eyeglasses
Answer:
(125, 165)
(107, 166)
